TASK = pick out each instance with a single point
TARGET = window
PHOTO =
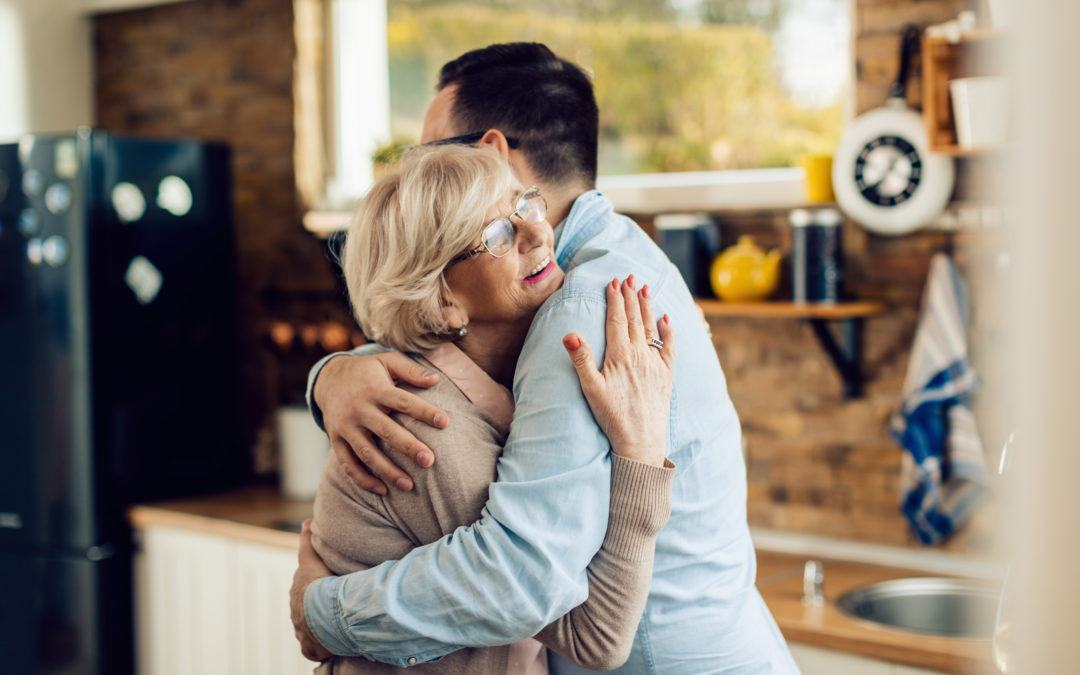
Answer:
(682, 85)
(696, 86)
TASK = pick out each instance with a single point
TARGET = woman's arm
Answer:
(630, 399)
(598, 633)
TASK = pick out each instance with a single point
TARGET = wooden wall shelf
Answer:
(791, 310)
(845, 353)
(978, 52)
(957, 151)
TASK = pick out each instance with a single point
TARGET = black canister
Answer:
(690, 240)
(817, 255)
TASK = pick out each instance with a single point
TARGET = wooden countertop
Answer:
(263, 516)
(780, 583)
(259, 515)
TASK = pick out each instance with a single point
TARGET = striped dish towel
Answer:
(943, 472)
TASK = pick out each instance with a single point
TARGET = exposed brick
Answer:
(223, 70)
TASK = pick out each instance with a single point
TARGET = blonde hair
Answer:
(406, 230)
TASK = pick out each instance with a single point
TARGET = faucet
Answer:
(813, 584)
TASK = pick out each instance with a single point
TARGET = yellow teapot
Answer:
(745, 272)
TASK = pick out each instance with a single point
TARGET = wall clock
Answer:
(884, 176)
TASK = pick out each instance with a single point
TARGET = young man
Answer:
(523, 564)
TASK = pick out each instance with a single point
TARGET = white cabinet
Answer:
(817, 661)
(210, 605)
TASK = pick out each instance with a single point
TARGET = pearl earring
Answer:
(462, 332)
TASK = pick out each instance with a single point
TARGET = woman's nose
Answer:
(530, 235)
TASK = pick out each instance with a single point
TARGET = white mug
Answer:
(302, 448)
(981, 110)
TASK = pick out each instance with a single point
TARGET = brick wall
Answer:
(223, 70)
(817, 463)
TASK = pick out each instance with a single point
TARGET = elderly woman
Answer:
(448, 260)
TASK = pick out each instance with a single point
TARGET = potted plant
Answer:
(387, 154)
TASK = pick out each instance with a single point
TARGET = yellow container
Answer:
(818, 185)
(745, 273)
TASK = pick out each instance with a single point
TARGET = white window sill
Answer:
(647, 194)
(105, 6)
(708, 191)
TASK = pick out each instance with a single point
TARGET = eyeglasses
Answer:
(470, 139)
(498, 236)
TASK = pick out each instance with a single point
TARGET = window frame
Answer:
(637, 194)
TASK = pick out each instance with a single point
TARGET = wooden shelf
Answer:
(845, 352)
(791, 310)
(975, 53)
(957, 151)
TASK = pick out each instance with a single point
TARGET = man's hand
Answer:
(311, 568)
(356, 394)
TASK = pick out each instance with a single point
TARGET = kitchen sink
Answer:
(288, 525)
(931, 606)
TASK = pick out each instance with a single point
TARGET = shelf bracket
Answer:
(846, 354)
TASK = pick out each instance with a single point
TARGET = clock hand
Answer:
(886, 173)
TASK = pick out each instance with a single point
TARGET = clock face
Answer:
(888, 170)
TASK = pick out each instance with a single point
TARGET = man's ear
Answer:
(497, 140)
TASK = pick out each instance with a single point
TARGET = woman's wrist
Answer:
(650, 451)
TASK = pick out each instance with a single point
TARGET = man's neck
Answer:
(560, 199)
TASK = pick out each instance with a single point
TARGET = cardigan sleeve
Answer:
(599, 633)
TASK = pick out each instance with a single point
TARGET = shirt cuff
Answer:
(325, 619)
(322, 611)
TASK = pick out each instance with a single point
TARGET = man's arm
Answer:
(523, 564)
(358, 391)
(599, 633)
(369, 349)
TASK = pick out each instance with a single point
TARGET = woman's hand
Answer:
(631, 396)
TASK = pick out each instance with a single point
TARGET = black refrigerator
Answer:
(117, 376)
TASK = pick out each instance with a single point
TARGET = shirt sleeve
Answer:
(598, 633)
(522, 565)
(369, 349)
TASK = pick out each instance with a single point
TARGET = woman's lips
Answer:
(542, 274)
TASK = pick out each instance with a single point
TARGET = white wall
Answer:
(45, 66)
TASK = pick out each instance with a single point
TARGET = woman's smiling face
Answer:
(508, 289)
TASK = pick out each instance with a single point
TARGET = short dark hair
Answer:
(524, 90)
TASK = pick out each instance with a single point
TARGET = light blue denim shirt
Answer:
(523, 564)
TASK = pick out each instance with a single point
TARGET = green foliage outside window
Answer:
(696, 97)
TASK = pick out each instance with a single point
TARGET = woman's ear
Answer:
(497, 140)
(453, 314)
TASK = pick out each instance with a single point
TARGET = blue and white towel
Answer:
(943, 472)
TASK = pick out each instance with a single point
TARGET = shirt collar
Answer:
(588, 216)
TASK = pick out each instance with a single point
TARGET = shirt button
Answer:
(412, 661)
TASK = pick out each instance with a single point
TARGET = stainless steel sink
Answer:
(931, 606)
(293, 525)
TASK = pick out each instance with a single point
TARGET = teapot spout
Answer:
(772, 261)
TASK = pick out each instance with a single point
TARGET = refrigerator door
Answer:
(164, 325)
(46, 477)
(58, 616)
